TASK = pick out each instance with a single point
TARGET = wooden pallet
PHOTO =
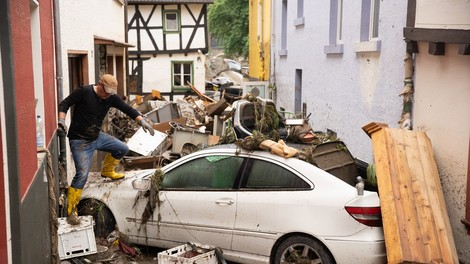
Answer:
(415, 220)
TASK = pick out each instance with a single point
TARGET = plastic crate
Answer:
(76, 240)
(176, 255)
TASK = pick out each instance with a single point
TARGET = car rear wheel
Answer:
(103, 217)
(301, 249)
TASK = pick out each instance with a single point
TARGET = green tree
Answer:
(228, 23)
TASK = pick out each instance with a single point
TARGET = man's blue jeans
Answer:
(82, 152)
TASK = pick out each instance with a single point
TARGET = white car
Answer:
(255, 206)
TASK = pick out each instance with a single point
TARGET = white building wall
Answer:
(441, 109)
(343, 92)
(157, 71)
(80, 21)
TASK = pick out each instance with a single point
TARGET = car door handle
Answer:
(224, 201)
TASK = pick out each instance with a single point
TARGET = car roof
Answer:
(299, 165)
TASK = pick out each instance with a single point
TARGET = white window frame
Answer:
(335, 45)
(300, 20)
(370, 17)
(283, 39)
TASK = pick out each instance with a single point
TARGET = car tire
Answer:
(302, 249)
(102, 216)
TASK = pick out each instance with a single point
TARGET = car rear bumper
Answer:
(365, 247)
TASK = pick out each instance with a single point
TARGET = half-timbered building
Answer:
(171, 39)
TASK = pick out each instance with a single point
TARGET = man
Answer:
(91, 104)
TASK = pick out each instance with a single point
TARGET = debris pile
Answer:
(186, 125)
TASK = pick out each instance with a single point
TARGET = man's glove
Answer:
(62, 125)
(147, 127)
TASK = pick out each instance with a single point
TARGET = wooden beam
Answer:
(464, 49)
(437, 48)
(449, 36)
(411, 13)
(412, 47)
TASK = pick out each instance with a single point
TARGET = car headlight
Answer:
(141, 184)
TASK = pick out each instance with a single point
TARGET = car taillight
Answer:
(369, 216)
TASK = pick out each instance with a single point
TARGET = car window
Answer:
(267, 175)
(211, 172)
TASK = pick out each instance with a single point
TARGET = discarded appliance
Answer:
(188, 254)
(145, 144)
(182, 138)
(76, 240)
(165, 113)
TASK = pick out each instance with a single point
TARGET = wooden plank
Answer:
(389, 219)
(403, 185)
(415, 220)
(438, 205)
(421, 195)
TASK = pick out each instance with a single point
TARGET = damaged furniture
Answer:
(415, 220)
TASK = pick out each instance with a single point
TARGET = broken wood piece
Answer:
(217, 108)
(415, 220)
(156, 94)
(201, 95)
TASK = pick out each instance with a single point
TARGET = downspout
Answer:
(60, 95)
(12, 161)
(272, 71)
(407, 92)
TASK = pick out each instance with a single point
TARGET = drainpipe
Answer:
(272, 72)
(60, 95)
(12, 161)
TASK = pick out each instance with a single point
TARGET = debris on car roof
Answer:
(198, 121)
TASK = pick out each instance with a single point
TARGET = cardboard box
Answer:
(76, 240)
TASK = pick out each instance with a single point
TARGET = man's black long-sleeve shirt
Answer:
(90, 110)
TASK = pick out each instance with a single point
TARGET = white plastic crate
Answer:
(76, 240)
(176, 255)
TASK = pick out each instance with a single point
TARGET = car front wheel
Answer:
(300, 250)
(103, 217)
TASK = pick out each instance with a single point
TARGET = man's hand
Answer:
(62, 125)
(147, 127)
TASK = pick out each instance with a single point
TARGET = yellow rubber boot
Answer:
(108, 168)
(73, 199)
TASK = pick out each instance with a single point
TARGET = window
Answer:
(339, 21)
(182, 74)
(171, 21)
(374, 19)
(336, 28)
(369, 37)
(267, 175)
(283, 51)
(207, 173)
(300, 20)
(298, 91)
